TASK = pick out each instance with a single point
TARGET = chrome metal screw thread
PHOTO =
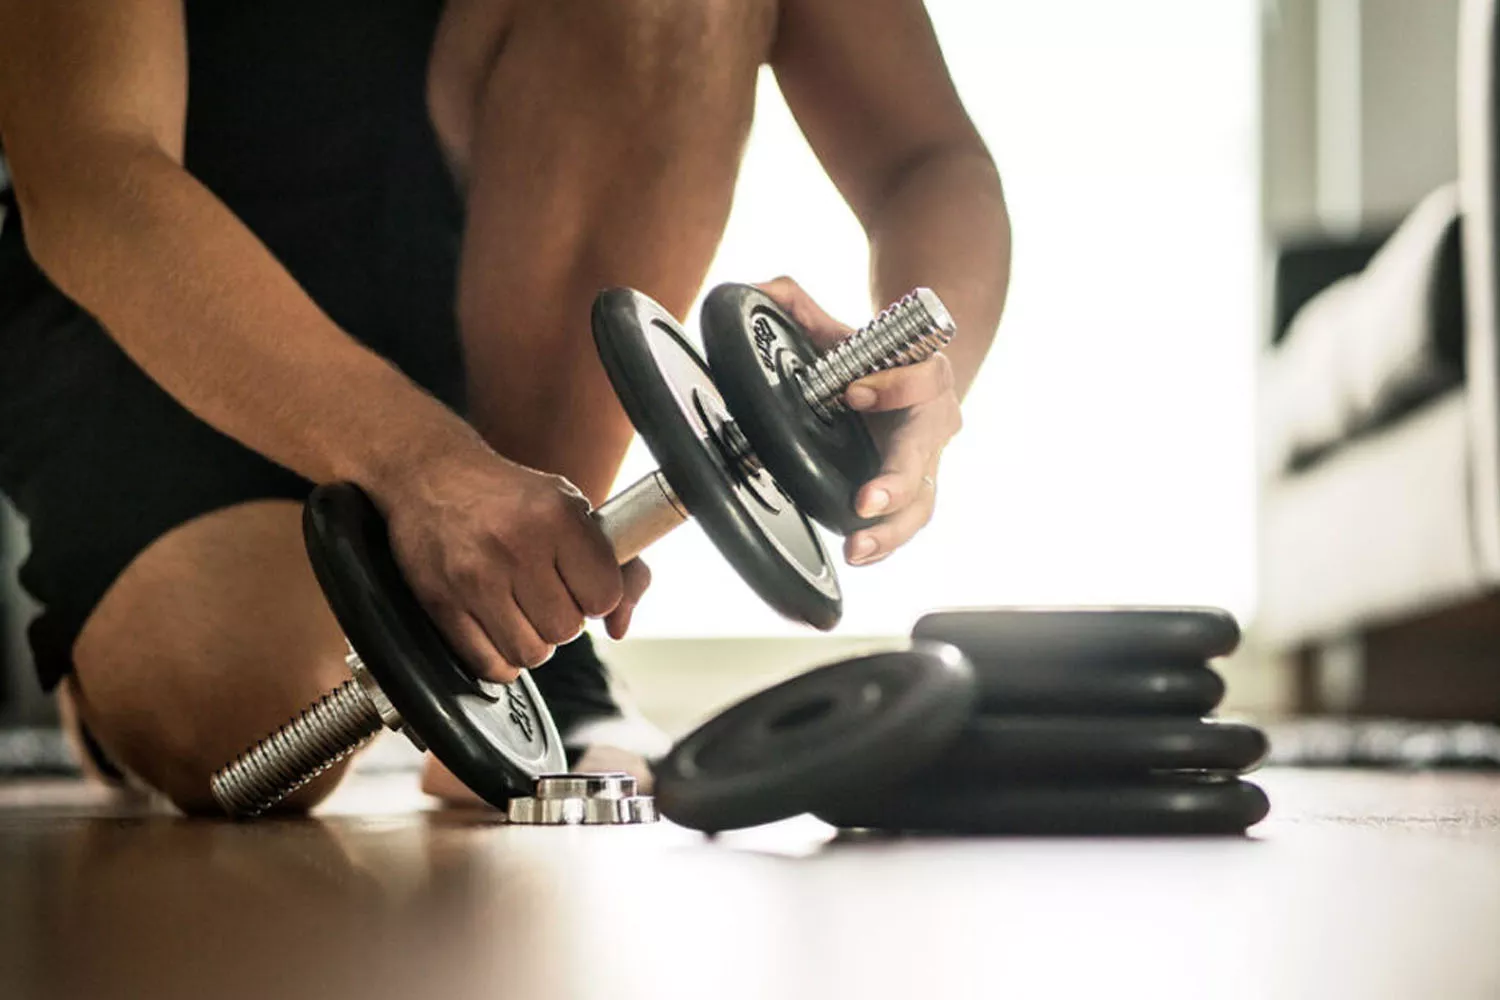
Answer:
(329, 730)
(907, 332)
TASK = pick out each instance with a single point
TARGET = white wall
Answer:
(1359, 99)
(1409, 86)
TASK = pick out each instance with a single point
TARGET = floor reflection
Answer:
(447, 905)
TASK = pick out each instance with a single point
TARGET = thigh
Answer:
(214, 635)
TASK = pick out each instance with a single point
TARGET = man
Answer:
(292, 241)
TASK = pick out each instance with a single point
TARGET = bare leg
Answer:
(213, 636)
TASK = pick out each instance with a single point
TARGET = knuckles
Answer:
(468, 572)
(782, 284)
(558, 627)
(500, 672)
(534, 654)
(602, 595)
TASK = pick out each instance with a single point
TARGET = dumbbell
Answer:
(749, 463)
(1065, 720)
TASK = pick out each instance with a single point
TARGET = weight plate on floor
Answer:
(671, 399)
(1008, 746)
(1119, 634)
(1167, 805)
(755, 351)
(855, 724)
(1019, 686)
(496, 738)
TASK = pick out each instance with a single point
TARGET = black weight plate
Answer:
(496, 738)
(1093, 634)
(671, 399)
(755, 351)
(1003, 746)
(1048, 687)
(858, 723)
(1167, 805)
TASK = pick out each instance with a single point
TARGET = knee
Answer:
(175, 741)
(188, 787)
(180, 765)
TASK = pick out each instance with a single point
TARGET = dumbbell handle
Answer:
(640, 514)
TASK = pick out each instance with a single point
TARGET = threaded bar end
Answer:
(910, 331)
(331, 729)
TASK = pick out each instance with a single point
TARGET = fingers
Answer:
(911, 508)
(873, 544)
(472, 644)
(637, 577)
(546, 605)
(904, 494)
(903, 388)
(914, 443)
(586, 565)
(549, 606)
(512, 632)
(824, 330)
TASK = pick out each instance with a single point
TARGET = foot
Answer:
(601, 730)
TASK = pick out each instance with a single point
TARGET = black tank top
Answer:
(307, 118)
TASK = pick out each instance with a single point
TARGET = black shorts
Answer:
(98, 459)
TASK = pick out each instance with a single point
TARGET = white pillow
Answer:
(1361, 348)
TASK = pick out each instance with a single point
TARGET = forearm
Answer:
(944, 225)
(205, 310)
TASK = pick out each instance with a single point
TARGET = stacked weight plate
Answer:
(1086, 720)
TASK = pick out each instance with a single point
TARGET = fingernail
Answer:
(863, 549)
(875, 502)
(860, 397)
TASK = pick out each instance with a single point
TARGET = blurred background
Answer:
(1221, 379)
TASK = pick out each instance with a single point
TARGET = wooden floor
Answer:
(1360, 885)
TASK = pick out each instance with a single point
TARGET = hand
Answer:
(505, 559)
(913, 412)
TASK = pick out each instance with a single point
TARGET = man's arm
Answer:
(867, 83)
(92, 104)
(92, 109)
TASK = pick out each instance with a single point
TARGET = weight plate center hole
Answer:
(736, 455)
(804, 714)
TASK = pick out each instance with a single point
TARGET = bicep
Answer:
(868, 85)
(74, 73)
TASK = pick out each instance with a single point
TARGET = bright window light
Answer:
(1106, 456)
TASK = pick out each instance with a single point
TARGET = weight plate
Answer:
(755, 351)
(1015, 686)
(1168, 805)
(996, 746)
(496, 738)
(859, 723)
(671, 399)
(1092, 634)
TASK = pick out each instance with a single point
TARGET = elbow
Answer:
(43, 226)
(966, 159)
(74, 198)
